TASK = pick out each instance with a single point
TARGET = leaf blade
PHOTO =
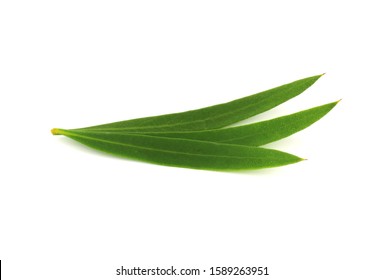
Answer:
(216, 116)
(182, 152)
(256, 134)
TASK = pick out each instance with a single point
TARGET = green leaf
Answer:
(256, 134)
(181, 152)
(197, 139)
(216, 116)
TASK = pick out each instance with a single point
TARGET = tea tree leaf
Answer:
(181, 152)
(197, 139)
(216, 116)
(256, 134)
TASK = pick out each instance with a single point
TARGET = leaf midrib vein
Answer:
(161, 150)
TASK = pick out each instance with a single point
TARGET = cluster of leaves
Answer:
(200, 138)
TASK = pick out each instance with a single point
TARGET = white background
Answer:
(68, 212)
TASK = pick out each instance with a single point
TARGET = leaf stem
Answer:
(55, 131)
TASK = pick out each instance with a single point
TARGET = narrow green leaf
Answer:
(256, 134)
(216, 116)
(181, 152)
